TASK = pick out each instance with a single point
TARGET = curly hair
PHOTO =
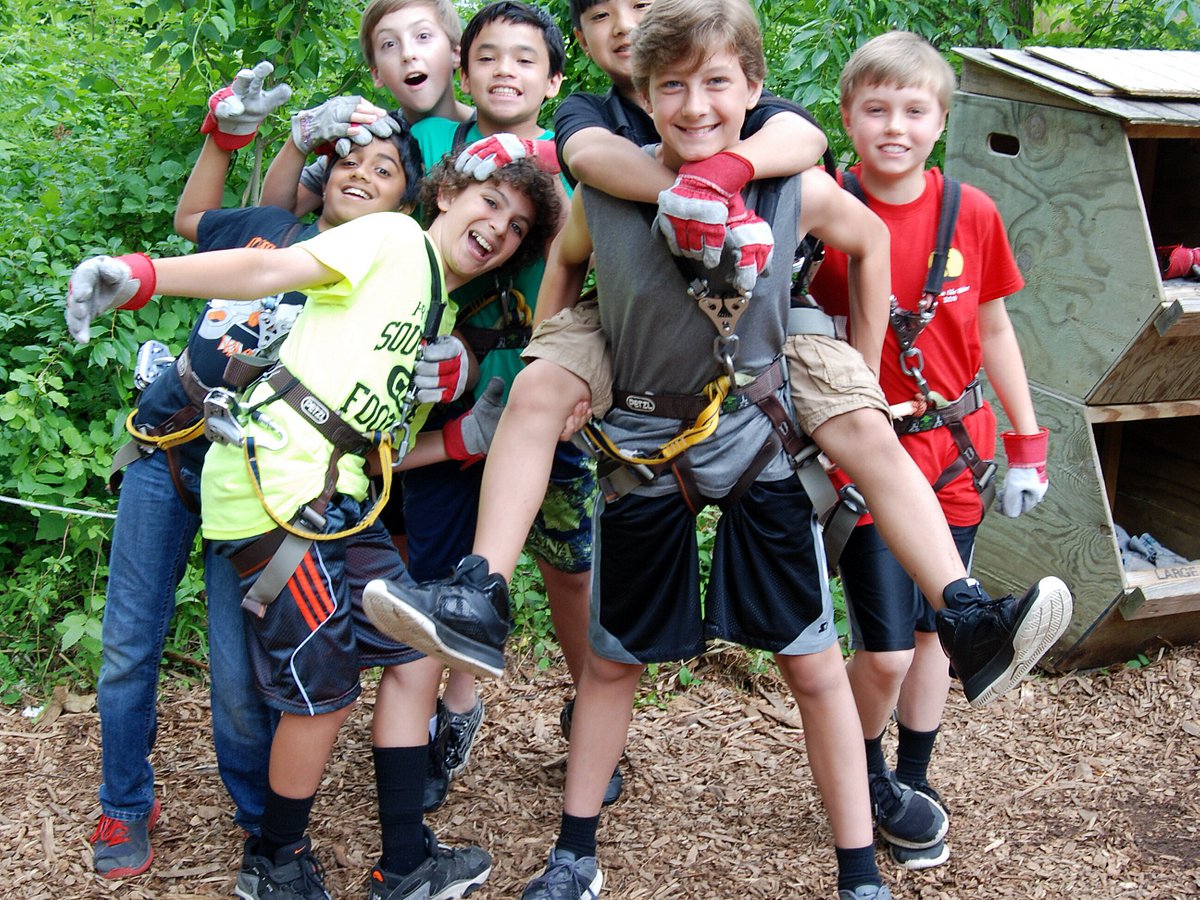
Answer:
(525, 176)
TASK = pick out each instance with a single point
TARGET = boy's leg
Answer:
(152, 540)
(242, 723)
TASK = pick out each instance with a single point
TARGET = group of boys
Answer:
(704, 418)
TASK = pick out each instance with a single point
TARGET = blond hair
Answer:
(676, 32)
(445, 11)
(898, 58)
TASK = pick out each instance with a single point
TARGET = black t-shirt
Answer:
(226, 327)
(620, 115)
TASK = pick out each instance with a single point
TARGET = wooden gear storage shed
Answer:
(1093, 158)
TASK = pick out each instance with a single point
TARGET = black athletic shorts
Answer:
(307, 650)
(769, 587)
(884, 605)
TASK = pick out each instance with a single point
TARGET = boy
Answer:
(411, 48)
(701, 67)
(303, 446)
(158, 509)
(512, 61)
(895, 95)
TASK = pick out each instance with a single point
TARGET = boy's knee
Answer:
(607, 671)
(543, 386)
(886, 668)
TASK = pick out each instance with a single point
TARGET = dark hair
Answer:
(523, 175)
(410, 159)
(519, 14)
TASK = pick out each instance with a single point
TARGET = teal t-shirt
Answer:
(492, 301)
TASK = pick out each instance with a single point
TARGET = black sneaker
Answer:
(462, 620)
(292, 874)
(925, 858)
(437, 778)
(462, 727)
(616, 784)
(448, 873)
(566, 877)
(121, 849)
(992, 644)
(905, 818)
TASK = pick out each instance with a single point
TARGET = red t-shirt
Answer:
(980, 268)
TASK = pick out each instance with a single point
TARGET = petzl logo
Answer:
(315, 410)
(639, 404)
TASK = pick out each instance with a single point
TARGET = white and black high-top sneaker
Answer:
(462, 620)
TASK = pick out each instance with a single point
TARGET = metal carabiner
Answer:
(280, 438)
(724, 350)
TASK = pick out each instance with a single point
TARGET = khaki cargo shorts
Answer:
(828, 377)
(573, 340)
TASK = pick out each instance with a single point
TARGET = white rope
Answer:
(60, 509)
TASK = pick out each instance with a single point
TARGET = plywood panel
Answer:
(1154, 368)
(1142, 73)
(1076, 221)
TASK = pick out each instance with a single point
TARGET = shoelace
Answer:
(110, 831)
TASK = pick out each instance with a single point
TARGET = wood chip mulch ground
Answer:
(1078, 786)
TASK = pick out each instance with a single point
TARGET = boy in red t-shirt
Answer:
(895, 94)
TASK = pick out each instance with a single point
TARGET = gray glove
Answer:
(236, 111)
(441, 370)
(97, 285)
(479, 425)
(330, 123)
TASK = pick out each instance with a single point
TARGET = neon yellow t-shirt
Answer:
(353, 346)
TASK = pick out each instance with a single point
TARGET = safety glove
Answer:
(468, 437)
(330, 123)
(103, 283)
(1026, 482)
(753, 243)
(440, 374)
(1177, 261)
(693, 212)
(236, 111)
(486, 155)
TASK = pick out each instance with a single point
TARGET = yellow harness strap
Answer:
(166, 441)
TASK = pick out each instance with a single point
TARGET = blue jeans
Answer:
(151, 542)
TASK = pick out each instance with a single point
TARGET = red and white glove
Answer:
(440, 373)
(1177, 261)
(469, 437)
(488, 154)
(103, 283)
(1026, 482)
(752, 240)
(236, 111)
(694, 211)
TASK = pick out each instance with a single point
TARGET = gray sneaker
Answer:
(566, 877)
(292, 874)
(866, 892)
(904, 817)
(463, 728)
(448, 873)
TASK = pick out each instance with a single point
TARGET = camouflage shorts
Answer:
(562, 530)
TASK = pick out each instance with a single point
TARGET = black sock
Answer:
(400, 786)
(578, 834)
(875, 761)
(857, 867)
(284, 821)
(913, 752)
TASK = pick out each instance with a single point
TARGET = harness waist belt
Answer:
(970, 400)
(195, 389)
(810, 320)
(326, 421)
(687, 407)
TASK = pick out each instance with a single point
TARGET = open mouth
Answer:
(483, 244)
(416, 79)
(504, 91)
(358, 193)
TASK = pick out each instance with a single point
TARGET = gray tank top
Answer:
(662, 343)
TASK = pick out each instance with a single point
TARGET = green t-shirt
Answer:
(482, 302)
(353, 346)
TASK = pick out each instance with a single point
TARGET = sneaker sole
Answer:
(402, 623)
(130, 871)
(916, 862)
(902, 843)
(466, 760)
(1042, 624)
(462, 888)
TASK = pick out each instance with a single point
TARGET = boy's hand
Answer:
(440, 374)
(236, 111)
(1026, 482)
(103, 283)
(468, 437)
(694, 211)
(348, 117)
(752, 239)
(488, 154)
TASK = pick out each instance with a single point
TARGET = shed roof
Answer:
(1141, 87)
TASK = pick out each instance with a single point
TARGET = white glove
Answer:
(1026, 482)
(235, 112)
(332, 123)
(98, 285)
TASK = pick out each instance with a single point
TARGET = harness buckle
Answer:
(984, 481)
(220, 418)
(616, 479)
(852, 498)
